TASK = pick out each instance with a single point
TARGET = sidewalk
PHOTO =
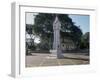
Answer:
(38, 60)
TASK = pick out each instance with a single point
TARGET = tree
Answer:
(84, 44)
(29, 44)
(43, 27)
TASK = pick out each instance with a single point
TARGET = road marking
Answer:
(71, 61)
(58, 62)
(42, 62)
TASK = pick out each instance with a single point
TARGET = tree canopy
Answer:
(43, 26)
(84, 43)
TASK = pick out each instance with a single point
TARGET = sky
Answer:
(79, 20)
(82, 21)
(30, 18)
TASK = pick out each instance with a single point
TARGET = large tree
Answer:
(84, 44)
(43, 27)
(30, 37)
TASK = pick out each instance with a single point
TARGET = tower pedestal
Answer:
(56, 54)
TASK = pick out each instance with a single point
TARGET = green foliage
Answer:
(43, 27)
(84, 44)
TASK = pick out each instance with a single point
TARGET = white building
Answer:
(67, 44)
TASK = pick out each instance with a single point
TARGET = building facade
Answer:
(67, 44)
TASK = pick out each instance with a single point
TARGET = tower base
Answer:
(56, 54)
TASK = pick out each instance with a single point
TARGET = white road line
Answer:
(42, 62)
(71, 61)
(58, 62)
